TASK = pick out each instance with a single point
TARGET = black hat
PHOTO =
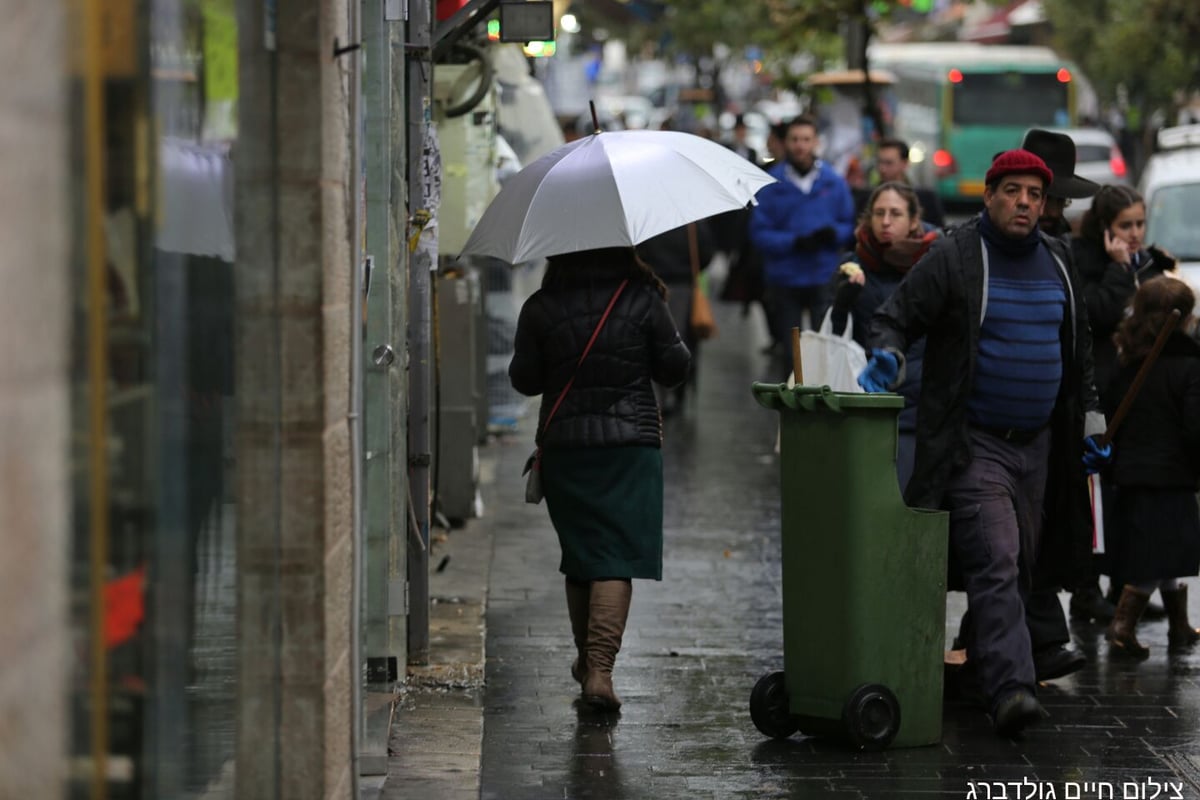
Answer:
(1058, 151)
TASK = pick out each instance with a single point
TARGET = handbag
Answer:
(533, 464)
(831, 360)
(702, 322)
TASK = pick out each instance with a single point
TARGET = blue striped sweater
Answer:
(1019, 366)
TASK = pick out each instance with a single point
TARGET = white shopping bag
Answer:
(1097, 499)
(829, 360)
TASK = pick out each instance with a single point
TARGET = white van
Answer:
(1171, 186)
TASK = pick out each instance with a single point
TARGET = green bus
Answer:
(958, 104)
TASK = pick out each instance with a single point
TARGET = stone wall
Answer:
(293, 444)
(34, 406)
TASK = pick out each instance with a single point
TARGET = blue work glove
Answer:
(880, 371)
(1095, 457)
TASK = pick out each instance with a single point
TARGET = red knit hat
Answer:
(1013, 162)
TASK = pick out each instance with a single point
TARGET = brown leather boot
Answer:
(1122, 631)
(607, 612)
(1180, 633)
(578, 595)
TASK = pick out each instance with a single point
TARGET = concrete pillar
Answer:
(293, 442)
(35, 226)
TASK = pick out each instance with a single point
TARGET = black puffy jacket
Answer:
(1108, 288)
(1159, 443)
(612, 401)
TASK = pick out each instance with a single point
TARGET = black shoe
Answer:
(1016, 711)
(1089, 604)
(1056, 661)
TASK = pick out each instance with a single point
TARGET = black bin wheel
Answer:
(769, 707)
(871, 716)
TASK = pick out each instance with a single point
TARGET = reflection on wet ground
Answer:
(699, 640)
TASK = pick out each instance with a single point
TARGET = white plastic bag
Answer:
(829, 360)
(1097, 498)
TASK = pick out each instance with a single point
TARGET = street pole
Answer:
(419, 70)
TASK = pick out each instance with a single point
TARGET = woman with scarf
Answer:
(888, 241)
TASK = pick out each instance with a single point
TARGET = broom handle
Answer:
(1131, 395)
(796, 366)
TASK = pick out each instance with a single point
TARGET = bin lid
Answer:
(778, 396)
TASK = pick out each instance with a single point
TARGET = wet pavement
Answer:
(698, 641)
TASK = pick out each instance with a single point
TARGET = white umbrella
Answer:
(612, 189)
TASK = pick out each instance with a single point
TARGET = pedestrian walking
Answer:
(1113, 259)
(1155, 471)
(888, 241)
(1053, 656)
(670, 256)
(801, 225)
(591, 341)
(891, 166)
(1006, 415)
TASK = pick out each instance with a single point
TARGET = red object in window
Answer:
(124, 607)
(1116, 162)
(955, 75)
(1064, 75)
(446, 8)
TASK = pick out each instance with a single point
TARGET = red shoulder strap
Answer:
(586, 350)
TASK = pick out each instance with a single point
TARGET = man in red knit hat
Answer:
(1007, 414)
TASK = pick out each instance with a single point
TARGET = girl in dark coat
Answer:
(888, 241)
(601, 460)
(1156, 467)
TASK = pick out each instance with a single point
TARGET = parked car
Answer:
(1171, 186)
(1097, 158)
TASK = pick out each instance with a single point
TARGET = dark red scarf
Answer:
(876, 256)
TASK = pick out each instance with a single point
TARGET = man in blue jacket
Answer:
(801, 226)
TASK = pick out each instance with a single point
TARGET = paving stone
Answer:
(699, 640)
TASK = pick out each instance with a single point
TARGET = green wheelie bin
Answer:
(864, 579)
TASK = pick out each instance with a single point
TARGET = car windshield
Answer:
(1171, 221)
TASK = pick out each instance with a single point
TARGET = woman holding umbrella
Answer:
(600, 436)
(592, 340)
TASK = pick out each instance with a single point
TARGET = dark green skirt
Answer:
(606, 504)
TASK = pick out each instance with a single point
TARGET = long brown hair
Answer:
(1152, 304)
(585, 267)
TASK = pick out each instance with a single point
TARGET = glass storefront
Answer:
(153, 676)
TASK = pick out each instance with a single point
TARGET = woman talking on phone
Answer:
(1113, 260)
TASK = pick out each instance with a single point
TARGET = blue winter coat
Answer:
(784, 212)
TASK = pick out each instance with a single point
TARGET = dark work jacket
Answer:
(942, 298)
(611, 402)
(1108, 288)
(1158, 444)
